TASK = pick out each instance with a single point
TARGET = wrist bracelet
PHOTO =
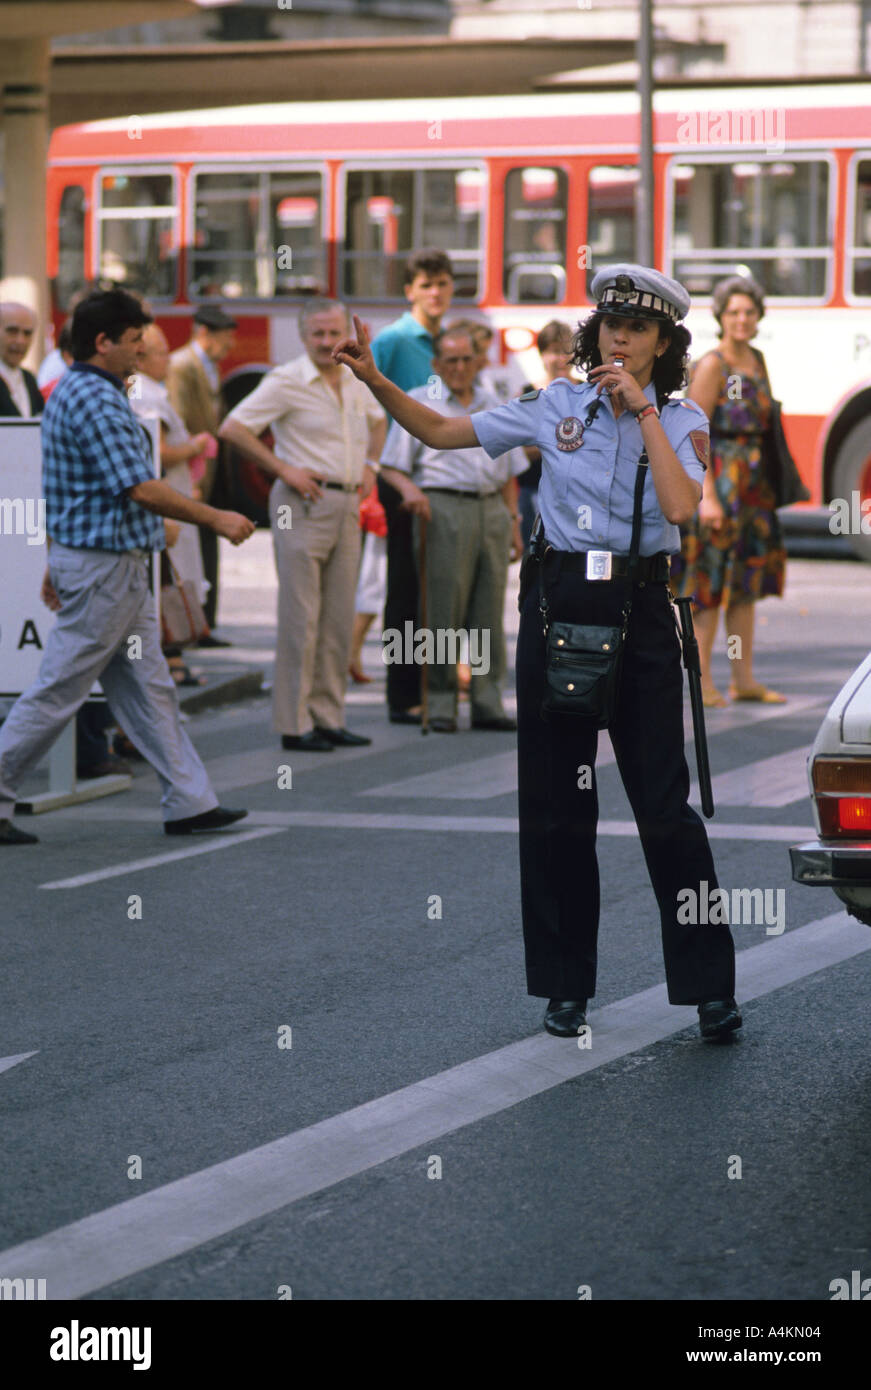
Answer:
(645, 411)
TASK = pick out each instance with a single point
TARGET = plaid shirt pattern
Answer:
(93, 450)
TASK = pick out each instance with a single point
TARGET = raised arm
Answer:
(437, 431)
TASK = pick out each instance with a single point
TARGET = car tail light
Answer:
(842, 792)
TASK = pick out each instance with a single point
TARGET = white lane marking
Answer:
(167, 1222)
(133, 866)
(483, 825)
(7, 1062)
(776, 781)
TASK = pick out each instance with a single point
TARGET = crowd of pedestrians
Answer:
(367, 523)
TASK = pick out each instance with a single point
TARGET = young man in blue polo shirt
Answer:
(403, 351)
(103, 506)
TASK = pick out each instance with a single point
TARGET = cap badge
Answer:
(569, 434)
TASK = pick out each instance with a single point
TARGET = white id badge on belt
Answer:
(598, 564)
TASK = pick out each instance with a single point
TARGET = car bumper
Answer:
(825, 865)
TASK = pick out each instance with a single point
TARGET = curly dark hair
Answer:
(669, 370)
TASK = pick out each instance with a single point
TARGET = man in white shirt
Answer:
(325, 425)
(19, 393)
(468, 501)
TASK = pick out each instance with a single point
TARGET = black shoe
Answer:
(212, 641)
(124, 749)
(11, 835)
(443, 726)
(501, 722)
(719, 1017)
(312, 742)
(109, 767)
(342, 738)
(215, 819)
(563, 1017)
(404, 716)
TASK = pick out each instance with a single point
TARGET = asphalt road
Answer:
(319, 1023)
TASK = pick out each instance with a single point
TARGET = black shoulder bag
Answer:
(783, 471)
(583, 663)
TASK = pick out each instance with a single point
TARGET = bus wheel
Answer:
(852, 473)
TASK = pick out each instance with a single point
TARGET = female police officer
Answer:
(592, 437)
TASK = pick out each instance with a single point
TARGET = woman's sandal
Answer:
(712, 699)
(759, 694)
(358, 675)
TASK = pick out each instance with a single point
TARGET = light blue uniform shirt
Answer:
(586, 493)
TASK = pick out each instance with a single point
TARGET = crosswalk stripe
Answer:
(169, 1221)
(463, 825)
(154, 861)
(775, 781)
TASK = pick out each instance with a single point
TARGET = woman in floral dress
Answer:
(733, 551)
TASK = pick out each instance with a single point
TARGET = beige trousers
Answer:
(317, 558)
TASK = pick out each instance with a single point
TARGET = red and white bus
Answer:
(257, 207)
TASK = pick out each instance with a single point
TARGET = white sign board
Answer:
(25, 622)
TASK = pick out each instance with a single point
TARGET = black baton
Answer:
(690, 649)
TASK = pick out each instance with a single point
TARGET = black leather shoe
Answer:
(719, 1017)
(215, 819)
(311, 742)
(563, 1017)
(403, 716)
(109, 767)
(443, 726)
(342, 738)
(11, 835)
(503, 723)
(213, 641)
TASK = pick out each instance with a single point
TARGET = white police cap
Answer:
(638, 291)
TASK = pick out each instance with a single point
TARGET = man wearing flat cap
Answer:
(194, 385)
(622, 467)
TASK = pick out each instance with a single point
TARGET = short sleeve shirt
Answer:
(462, 470)
(93, 451)
(588, 471)
(311, 426)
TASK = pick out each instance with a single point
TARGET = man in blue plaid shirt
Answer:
(103, 510)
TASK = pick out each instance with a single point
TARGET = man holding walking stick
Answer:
(467, 529)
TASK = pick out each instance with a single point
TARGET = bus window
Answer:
(389, 213)
(257, 235)
(860, 252)
(535, 236)
(137, 220)
(71, 246)
(611, 194)
(766, 218)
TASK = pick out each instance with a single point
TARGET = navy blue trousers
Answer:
(559, 872)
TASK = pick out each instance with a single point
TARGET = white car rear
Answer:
(839, 772)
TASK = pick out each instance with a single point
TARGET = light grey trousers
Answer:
(105, 603)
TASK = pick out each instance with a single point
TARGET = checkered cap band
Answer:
(638, 299)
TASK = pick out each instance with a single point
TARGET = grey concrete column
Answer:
(25, 76)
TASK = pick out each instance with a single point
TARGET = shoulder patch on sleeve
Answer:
(529, 396)
(701, 442)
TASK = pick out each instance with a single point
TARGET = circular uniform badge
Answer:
(569, 433)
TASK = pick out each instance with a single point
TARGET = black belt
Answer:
(342, 487)
(460, 492)
(649, 569)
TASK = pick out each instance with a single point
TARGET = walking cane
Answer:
(424, 675)
(690, 648)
